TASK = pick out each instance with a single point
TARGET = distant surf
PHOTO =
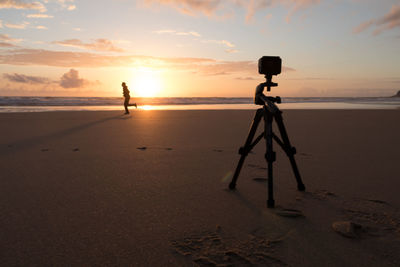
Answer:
(41, 104)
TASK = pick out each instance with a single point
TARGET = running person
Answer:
(127, 97)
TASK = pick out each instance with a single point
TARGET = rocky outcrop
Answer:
(397, 95)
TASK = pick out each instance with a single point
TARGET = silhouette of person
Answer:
(127, 97)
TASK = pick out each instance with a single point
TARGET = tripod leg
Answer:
(269, 156)
(290, 151)
(244, 151)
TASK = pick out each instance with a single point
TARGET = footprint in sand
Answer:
(218, 150)
(260, 180)
(257, 166)
(44, 149)
(378, 201)
(291, 213)
(75, 149)
(212, 249)
(348, 229)
(368, 218)
(319, 194)
(162, 148)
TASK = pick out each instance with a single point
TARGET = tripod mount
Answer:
(269, 112)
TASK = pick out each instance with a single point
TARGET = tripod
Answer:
(269, 112)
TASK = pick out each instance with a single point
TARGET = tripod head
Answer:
(260, 98)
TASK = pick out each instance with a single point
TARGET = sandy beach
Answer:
(150, 189)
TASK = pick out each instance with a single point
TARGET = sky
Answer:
(193, 48)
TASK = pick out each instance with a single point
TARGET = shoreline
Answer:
(283, 106)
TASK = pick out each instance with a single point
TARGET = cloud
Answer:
(7, 41)
(253, 5)
(232, 67)
(294, 6)
(231, 51)
(389, 21)
(91, 60)
(286, 69)
(20, 26)
(17, 4)
(227, 67)
(21, 78)
(97, 45)
(210, 7)
(297, 5)
(3, 44)
(67, 4)
(68, 80)
(226, 43)
(190, 33)
(221, 42)
(71, 80)
(5, 37)
(363, 26)
(203, 66)
(40, 27)
(189, 7)
(245, 78)
(39, 16)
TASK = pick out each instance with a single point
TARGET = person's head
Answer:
(123, 84)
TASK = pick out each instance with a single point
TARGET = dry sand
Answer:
(150, 189)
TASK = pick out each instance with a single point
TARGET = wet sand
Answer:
(150, 189)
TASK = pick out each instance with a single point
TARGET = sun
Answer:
(146, 82)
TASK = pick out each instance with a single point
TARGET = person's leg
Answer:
(126, 104)
(134, 104)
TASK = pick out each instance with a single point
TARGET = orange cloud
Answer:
(19, 26)
(231, 51)
(67, 4)
(17, 4)
(3, 44)
(190, 33)
(97, 45)
(39, 16)
(245, 78)
(203, 66)
(190, 7)
(84, 59)
(210, 7)
(231, 67)
(294, 6)
(389, 21)
(5, 37)
(6, 41)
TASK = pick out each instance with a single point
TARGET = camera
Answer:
(268, 65)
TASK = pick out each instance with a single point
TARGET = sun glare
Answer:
(146, 82)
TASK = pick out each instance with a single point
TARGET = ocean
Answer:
(47, 104)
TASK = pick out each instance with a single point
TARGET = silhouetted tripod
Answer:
(269, 112)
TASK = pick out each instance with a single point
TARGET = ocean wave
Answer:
(116, 101)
